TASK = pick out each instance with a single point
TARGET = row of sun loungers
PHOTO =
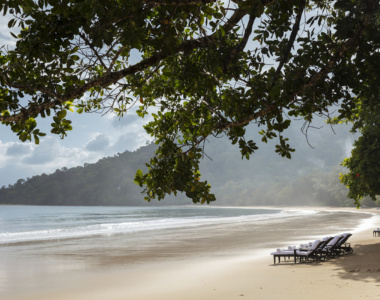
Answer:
(328, 247)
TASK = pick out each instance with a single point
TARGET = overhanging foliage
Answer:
(208, 68)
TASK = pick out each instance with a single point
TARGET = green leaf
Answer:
(23, 136)
(62, 114)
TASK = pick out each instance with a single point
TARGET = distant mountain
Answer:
(311, 177)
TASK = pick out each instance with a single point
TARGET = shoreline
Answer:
(232, 275)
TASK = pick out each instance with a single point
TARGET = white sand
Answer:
(252, 276)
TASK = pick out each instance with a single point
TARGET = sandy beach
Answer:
(235, 273)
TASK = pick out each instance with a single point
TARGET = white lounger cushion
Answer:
(314, 245)
(298, 252)
(283, 252)
(333, 241)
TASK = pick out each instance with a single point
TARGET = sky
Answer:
(93, 136)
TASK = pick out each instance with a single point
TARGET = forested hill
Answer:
(107, 182)
(311, 177)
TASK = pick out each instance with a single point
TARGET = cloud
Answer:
(348, 146)
(126, 121)
(17, 149)
(135, 57)
(131, 118)
(130, 133)
(44, 153)
(50, 155)
(131, 141)
(99, 143)
(5, 36)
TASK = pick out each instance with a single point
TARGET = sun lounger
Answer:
(285, 254)
(312, 253)
(322, 248)
(301, 255)
(342, 246)
(330, 249)
(376, 232)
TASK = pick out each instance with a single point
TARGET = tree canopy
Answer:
(206, 68)
(364, 176)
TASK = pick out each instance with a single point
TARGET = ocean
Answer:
(20, 225)
(38, 223)
(45, 241)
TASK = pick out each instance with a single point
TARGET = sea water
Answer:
(147, 226)
(36, 223)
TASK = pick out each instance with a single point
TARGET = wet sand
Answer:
(232, 262)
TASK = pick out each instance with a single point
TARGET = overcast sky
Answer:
(93, 137)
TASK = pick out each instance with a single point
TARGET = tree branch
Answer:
(292, 38)
(114, 77)
(108, 70)
(28, 87)
(93, 49)
(243, 42)
(371, 10)
(175, 3)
